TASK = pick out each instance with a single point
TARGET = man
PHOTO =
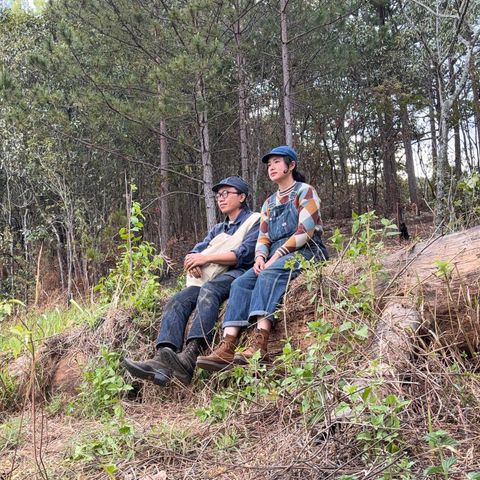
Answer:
(238, 235)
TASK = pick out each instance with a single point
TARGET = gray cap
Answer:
(235, 181)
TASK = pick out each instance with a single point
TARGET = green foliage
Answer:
(7, 306)
(8, 391)
(440, 442)
(11, 434)
(364, 247)
(102, 387)
(135, 279)
(173, 437)
(227, 440)
(444, 269)
(378, 416)
(35, 327)
(114, 440)
(465, 211)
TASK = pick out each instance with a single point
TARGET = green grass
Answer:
(17, 335)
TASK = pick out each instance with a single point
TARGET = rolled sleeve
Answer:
(263, 241)
(246, 251)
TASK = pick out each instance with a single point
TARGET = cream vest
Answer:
(220, 244)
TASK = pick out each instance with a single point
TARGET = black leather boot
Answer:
(154, 370)
(182, 364)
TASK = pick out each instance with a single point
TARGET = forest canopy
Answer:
(380, 98)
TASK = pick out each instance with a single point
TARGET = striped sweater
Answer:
(308, 206)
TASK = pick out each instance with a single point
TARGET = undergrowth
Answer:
(315, 412)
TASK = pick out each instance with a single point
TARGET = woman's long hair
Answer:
(297, 176)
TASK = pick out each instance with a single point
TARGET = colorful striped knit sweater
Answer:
(308, 206)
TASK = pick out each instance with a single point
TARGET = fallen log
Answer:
(429, 288)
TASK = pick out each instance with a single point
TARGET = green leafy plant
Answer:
(364, 246)
(135, 279)
(7, 306)
(379, 418)
(8, 391)
(11, 434)
(114, 441)
(466, 210)
(173, 437)
(226, 441)
(102, 387)
(444, 269)
(440, 442)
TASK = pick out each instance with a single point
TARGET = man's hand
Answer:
(259, 264)
(193, 260)
(195, 272)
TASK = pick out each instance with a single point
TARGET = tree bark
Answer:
(202, 126)
(242, 98)
(456, 125)
(392, 190)
(164, 207)
(433, 128)
(346, 204)
(476, 108)
(407, 145)
(287, 97)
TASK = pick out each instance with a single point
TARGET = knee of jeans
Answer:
(208, 292)
(237, 283)
(173, 302)
(269, 273)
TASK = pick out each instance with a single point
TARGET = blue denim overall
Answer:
(253, 295)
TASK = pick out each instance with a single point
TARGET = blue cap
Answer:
(236, 182)
(282, 151)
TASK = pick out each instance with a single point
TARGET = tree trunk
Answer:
(456, 126)
(407, 145)
(164, 209)
(202, 125)
(392, 191)
(476, 108)
(242, 98)
(346, 204)
(287, 97)
(442, 160)
(433, 128)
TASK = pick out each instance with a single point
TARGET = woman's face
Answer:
(278, 169)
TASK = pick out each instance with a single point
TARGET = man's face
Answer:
(229, 199)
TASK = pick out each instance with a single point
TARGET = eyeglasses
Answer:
(225, 194)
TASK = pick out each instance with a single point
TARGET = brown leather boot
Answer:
(258, 340)
(221, 358)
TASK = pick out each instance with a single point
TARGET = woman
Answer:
(290, 224)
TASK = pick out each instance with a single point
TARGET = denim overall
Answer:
(253, 295)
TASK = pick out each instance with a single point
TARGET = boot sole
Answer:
(178, 370)
(212, 366)
(243, 362)
(157, 378)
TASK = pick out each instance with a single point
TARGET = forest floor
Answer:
(77, 415)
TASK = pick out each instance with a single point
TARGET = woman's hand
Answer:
(273, 259)
(259, 264)
(193, 260)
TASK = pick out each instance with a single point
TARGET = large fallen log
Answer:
(442, 278)
(429, 288)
